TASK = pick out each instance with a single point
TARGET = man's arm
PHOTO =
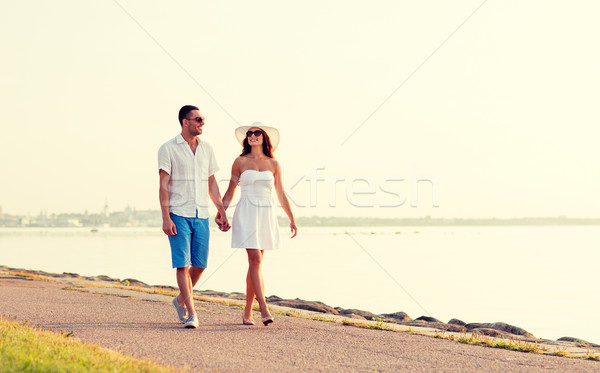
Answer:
(215, 196)
(163, 195)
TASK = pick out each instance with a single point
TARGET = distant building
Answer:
(105, 211)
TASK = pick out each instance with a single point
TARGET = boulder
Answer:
(428, 319)
(134, 282)
(167, 287)
(221, 294)
(306, 305)
(69, 274)
(490, 332)
(399, 316)
(457, 322)
(363, 314)
(108, 279)
(578, 342)
(500, 326)
(430, 324)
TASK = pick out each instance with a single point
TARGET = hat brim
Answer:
(273, 133)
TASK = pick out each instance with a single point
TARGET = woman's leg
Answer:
(255, 278)
(249, 297)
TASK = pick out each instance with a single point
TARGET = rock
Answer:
(578, 342)
(400, 316)
(490, 332)
(430, 324)
(428, 319)
(307, 305)
(221, 294)
(353, 316)
(457, 322)
(503, 327)
(363, 314)
(134, 282)
(106, 278)
(167, 287)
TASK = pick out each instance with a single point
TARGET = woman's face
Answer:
(253, 139)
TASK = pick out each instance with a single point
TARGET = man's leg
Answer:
(185, 290)
(181, 257)
(195, 274)
(198, 251)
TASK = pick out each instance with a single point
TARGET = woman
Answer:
(254, 225)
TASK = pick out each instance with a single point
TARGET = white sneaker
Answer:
(181, 310)
(192, 322)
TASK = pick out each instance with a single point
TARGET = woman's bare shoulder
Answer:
(239, 160)
(238, 164)
(274, 163)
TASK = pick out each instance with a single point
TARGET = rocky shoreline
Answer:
(491, 329)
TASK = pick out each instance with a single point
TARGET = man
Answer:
(186, 169)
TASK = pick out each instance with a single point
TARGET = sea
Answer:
(543, 279)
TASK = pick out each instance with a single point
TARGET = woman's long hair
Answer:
(267, 147)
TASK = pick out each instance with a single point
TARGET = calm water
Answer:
(543, 279)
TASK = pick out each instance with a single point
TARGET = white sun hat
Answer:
(273, 133)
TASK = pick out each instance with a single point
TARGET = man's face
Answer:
(195, 121)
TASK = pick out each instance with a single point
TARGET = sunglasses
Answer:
(255, 133)
(198, 119)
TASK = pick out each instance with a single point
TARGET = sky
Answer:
(468, 109)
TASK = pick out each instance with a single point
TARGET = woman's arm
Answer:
(283, 200)
(233, 182)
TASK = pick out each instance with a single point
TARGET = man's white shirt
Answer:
(189, 173)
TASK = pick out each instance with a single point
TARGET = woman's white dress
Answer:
(254, 222)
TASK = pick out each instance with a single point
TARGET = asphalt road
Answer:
(148, 328)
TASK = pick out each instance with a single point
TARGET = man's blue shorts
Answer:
(190, 245)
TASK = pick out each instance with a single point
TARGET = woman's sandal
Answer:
(247, 322)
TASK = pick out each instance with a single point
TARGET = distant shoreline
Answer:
(427, 221)
(151, 219)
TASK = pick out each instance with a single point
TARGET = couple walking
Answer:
(187, 168)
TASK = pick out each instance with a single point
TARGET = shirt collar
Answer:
(179, 139)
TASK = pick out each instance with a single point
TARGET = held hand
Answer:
(169, 227)
(222, 222)
(218, 219)
(294, 229)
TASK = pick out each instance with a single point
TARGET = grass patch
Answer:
(31, 276)
(378, 325)
(515, 345)
(562, 352)
(25, 349)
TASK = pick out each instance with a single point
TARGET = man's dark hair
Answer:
(184, 111)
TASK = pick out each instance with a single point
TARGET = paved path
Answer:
(146, 327)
